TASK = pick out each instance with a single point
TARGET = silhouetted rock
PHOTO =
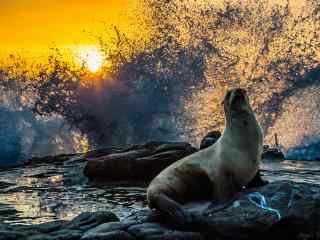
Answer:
(137, 163)
(210, 139)
(273, 154)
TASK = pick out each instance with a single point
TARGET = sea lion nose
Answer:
(239, 92)
(236, 95)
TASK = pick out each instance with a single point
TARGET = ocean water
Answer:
(37, 194)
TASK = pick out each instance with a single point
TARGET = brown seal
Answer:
(219, 171)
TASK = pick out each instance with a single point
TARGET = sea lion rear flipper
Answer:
(173, 209)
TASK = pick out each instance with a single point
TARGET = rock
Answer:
(155, 231)
(260, 210)
(113, 167)
(113, 235)
(90, 220)
(142, 216)
(103, 229)
(40, 237)
(210, 139)
(11, 235)
(137, 163)
(65, 234)
(146, 168)
(257, 181)
(50, 226)
(273, 154)
(102, 152)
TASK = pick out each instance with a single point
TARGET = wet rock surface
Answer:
(282, 208)
(137, 163)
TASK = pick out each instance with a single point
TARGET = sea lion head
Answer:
(236, 102)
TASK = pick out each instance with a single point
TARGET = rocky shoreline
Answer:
(282, 209)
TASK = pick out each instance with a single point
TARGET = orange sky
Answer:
(38, 24)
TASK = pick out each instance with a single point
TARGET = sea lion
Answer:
(212, 137)
(219, 171)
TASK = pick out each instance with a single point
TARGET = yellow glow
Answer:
(89, 56)
(33, 24)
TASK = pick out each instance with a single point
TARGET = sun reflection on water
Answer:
(40, 194)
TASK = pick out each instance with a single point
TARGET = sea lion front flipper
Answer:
(173, 209)
(257, 181)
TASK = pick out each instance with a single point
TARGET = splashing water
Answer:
(24, 134)
(170, 85)
(301, 125)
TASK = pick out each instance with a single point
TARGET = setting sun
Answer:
(89, 56)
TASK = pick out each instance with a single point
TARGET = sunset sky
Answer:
(39, 24)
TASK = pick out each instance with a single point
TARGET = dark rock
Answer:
(273, 154)
(40, 237)
(113, 235)
(102, 152)
(255, 213)
(50, 226)
(173, 146)
(290, 228)
(210, 139)
(11, 235)
(257, 181)
(113, 167)
(103, 229)
(153, 231)
(90, 220)
(146, 168)
(137, 163)
(65, 234)
(142, 216)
